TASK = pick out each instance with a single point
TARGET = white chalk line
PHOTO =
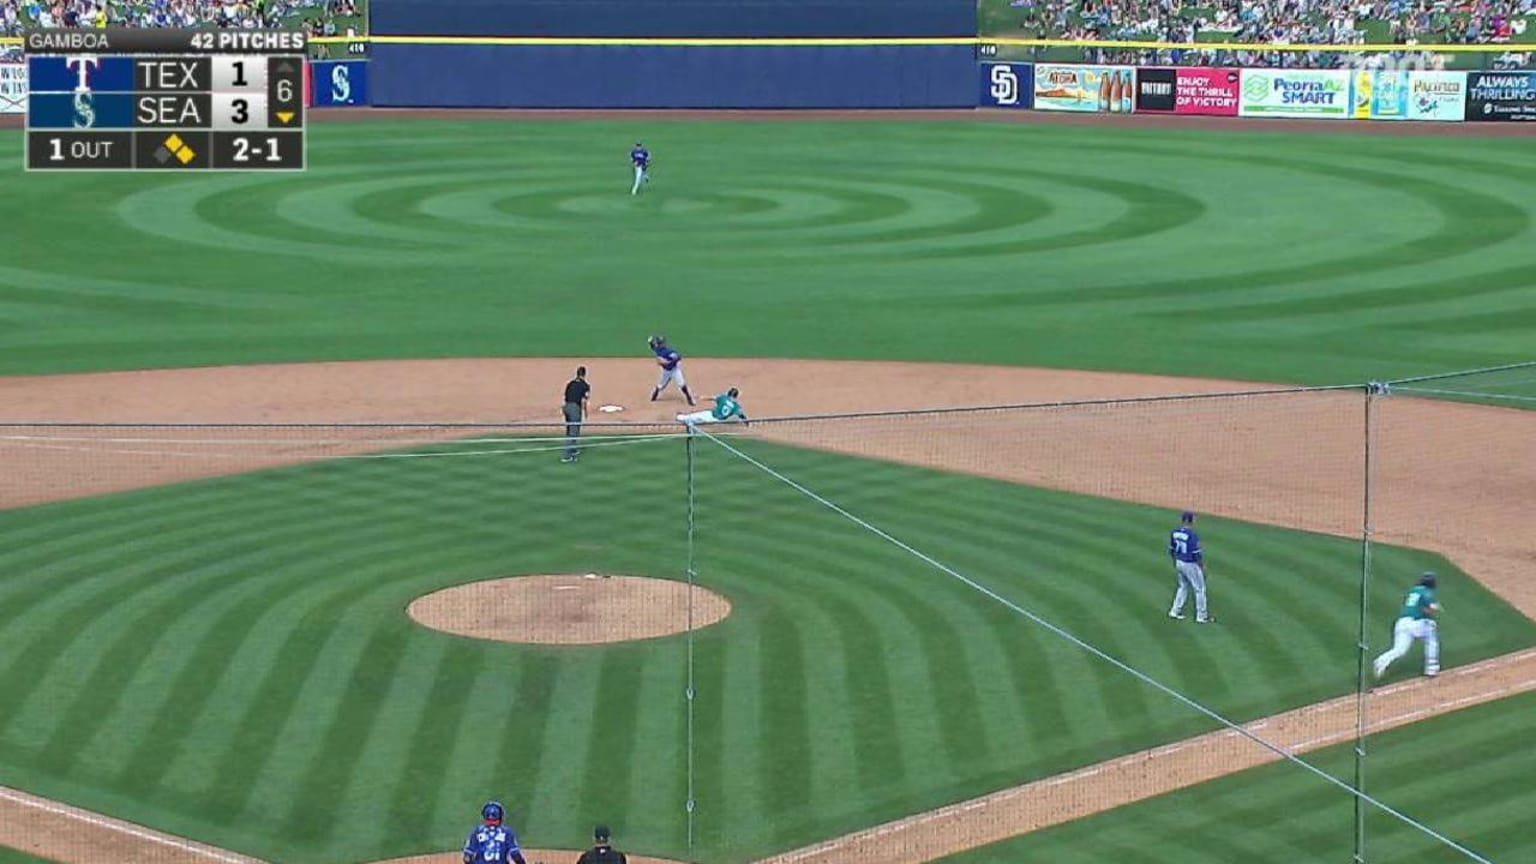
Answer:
(301, 450)
(1156, 753)
(500, 439)
(120, 827)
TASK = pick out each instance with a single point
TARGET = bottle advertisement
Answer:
(1092, 89)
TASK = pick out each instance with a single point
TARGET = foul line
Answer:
(1086, 646)
(120, 827)
(1143, 757)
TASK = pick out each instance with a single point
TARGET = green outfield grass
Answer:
(16, 856)
(1308, 258)
(1467, 774)
(229, 659)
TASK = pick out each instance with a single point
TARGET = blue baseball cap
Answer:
(1187, 516)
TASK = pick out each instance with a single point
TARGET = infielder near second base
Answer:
(671, 362)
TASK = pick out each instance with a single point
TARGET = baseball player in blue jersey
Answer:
(671, 363)
(641, 159)
(492, 842)
(1416, 621)
(1189, 567)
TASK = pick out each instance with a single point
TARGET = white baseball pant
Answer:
(668, 376)
(1191, 577)
(1404, 632)
(698, 417)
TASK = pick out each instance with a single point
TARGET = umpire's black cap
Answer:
(601, 833)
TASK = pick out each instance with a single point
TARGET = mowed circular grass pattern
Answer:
(1306, 257)
(231, 659)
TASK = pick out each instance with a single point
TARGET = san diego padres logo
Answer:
(1005, 86)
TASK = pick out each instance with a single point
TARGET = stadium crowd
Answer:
(1261, 22)
(319, 15)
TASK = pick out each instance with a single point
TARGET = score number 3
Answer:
(244, 150)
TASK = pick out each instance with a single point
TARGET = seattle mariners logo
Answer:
(1005, 86)
(341, 84)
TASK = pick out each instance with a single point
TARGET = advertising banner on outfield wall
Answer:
(1102, 89)
(1380, 94)
(1437, 96)
(13, 88)
(1501, 96)
(1312, 93)
(1155, 90)
(1007, 85)
(1212, 92)
(334, 83)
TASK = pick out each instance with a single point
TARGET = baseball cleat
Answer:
(1209, 619)
(1177, 616)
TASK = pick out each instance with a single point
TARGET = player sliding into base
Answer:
(725, 410)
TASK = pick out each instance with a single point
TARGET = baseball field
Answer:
(264, 435)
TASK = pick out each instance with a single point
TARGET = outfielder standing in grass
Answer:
(492, 842)
(641, 159)
(575, 411)
(1416, 621)
(1189, 568)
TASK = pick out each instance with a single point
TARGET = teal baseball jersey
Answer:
(1418, 603)
(726, 408)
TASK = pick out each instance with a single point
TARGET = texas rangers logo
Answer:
(84, 65)
(1005, 86)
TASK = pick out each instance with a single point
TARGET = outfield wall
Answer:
(634, 76)
(777, 76)
(695, 19)
(1314, 94)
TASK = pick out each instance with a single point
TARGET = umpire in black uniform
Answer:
(575, 409)
(603, 852)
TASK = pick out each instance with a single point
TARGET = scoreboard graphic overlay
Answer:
(165, 100)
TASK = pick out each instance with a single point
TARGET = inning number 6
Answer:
(284, 90)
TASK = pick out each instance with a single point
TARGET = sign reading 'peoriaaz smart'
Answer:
(1313, 93)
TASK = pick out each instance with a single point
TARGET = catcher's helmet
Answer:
(1429, 579)
(493, 812)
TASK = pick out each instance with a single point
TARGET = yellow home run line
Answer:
(898, 41)
(1253, 46)
(688, 42)
(916, 40)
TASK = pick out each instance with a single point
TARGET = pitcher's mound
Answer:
(588, 609)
